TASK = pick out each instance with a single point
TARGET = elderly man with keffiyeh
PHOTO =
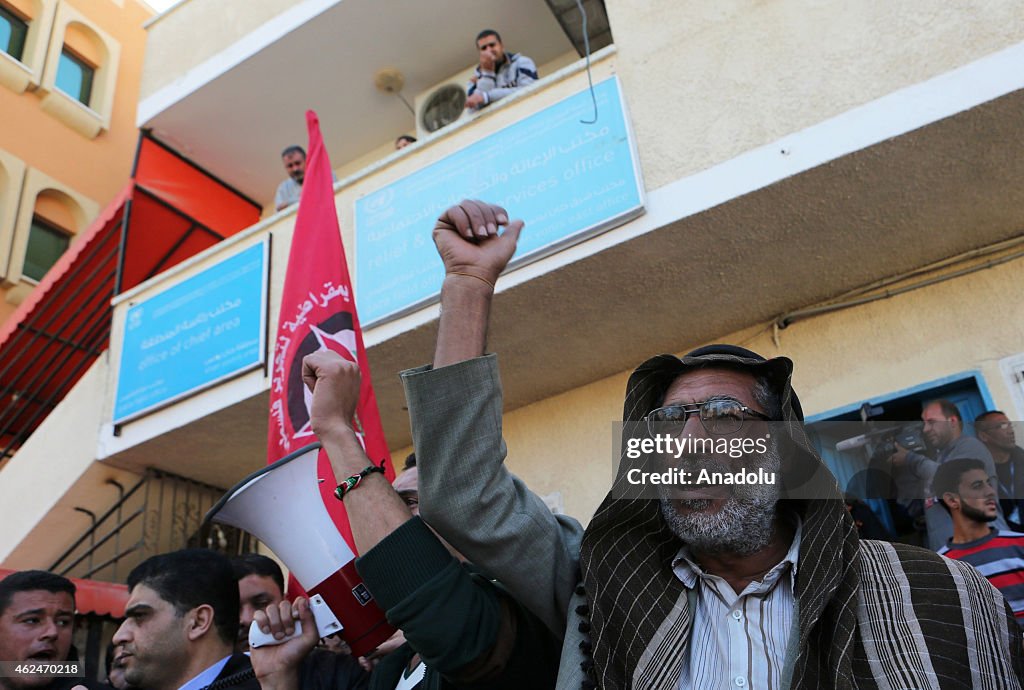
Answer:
(748, 587)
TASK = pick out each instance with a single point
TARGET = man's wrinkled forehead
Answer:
(708, 380)
(29, 600)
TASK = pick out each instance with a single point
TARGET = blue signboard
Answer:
(567, 179)
(199, 332)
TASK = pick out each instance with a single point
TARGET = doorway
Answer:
(828, 430)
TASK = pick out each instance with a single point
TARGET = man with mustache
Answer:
(697, 588)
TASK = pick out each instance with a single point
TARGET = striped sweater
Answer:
(1000, 558)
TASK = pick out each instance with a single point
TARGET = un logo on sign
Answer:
(135, 318)
(380, 201)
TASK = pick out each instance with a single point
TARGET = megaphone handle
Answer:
(258, 638)
(326, 622)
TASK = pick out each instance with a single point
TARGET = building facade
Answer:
(69, 85)
(835, 182)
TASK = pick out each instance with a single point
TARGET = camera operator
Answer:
(944, 431)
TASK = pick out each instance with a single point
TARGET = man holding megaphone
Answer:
(465, 629)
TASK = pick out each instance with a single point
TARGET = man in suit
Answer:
(180, 624)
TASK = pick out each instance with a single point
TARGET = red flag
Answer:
(318, 312)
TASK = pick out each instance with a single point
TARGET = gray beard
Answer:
(743, 525)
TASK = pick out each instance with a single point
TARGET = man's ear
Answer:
(200, 621)
(951, 500)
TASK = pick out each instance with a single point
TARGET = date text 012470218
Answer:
(29, 669)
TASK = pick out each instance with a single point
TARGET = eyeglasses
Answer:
(719, 417)
(1000, 425)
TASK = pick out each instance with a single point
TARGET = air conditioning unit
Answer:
(442, 104)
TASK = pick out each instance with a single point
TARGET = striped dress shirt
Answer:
(738, 640)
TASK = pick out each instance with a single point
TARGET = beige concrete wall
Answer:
(207, 27)
(706, 81)
(54, 472)
(967, 324)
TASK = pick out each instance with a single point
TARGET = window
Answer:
(46, 244)
(74, 76)
(13, 30)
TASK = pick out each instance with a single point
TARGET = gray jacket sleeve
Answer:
(922, 467)
(468, 496)
(487, 82)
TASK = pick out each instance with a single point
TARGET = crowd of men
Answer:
(496, 75)
(699, 586)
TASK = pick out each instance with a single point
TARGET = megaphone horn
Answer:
(281, 505)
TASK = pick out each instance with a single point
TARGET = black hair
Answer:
(30, 581)
(947, 477)
(406, 137)
(487, 32)
(948, 409)
(192, 577)
(410, 461)
(294, 148)
(257, 564)
(985, 415)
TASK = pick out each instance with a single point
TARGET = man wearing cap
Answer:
(704, 587)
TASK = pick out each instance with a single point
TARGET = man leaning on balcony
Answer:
(499, 73)
(290, 191)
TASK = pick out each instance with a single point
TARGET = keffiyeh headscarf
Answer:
(639, 615)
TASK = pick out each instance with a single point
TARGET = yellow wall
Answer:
(706, 81)
(210, 27)
(36, 134)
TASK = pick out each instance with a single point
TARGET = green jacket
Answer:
(468, 630)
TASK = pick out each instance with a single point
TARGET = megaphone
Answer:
(281, 505)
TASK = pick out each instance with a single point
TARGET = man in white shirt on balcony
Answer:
(289, 191)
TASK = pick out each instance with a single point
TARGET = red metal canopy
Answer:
(171, 211)
(100, 598)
